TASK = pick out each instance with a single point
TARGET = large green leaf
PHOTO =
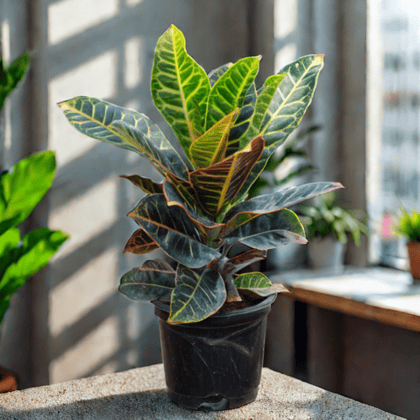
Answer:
(180, 87)
(140, 243)
(217, 185)
(154, 280)
(8, 242)
(240, 261)
(145, 184)
(211, 147)
(23, 187)
(262, 105)
(196, 295)
(215, 74)
(287, 108)
(269, 231)
(228, 93)
(153, 146)
(272, 202)
(173, 231)
(38, 246)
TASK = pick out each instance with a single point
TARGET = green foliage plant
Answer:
(409, 225)
(328, 219)
(199, 215)
(21, 189)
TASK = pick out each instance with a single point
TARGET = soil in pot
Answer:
(214, 364)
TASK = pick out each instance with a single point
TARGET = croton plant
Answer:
(199, 214)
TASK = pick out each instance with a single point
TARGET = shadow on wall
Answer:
(104, 48)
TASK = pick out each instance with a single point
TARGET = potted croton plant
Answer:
(212, 321)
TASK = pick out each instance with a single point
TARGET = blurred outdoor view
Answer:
(70, 321)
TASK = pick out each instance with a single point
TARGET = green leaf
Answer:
(240, 261)
(140, 243)
(8, 242)
(287, 108)
(196, 295)
(153, 146)
(273, 202)
(38, 246)
(211, 147)
(180, 87)
(228, 93)
(215, 74)
(257, 285)
(253, 280)
(153, 280)
(145, 184)
(217, 185)
(243, 120)
(262, 105)
(182, 194)
(173, 231)
(23, 187)
(17, 70)
(269, 231)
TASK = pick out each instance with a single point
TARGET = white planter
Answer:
(326, 252)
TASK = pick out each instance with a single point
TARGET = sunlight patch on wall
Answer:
(285, 17)
(132, 3)
(79, 360)
(133, 61)
(284, 56)
(67, 18)
(79, 294)
(96, 78)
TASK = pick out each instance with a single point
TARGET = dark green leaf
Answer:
(196, 295)
(145, 184)
(215, 74)
(18, 69)
(154, 280)
(173, 231)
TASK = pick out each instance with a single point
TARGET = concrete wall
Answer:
(70, 321)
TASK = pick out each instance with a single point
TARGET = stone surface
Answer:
(140, 394)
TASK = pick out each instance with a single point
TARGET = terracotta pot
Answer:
(414, 255)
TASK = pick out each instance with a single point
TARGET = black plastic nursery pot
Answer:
(214, 364)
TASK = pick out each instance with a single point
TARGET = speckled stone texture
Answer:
(140, 394)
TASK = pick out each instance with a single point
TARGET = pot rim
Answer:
(264, 304)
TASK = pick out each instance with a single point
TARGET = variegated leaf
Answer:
(173, 231)
(140, 243)
(240, 261)
(287, 108)
(243, 120)
(211, 147)
(180, 87)
(257, 285)
(153, 146)
(145, 184)
(196, 295)
(215, 74)
(184, 196)
(152, 281)
(269, 231)
(217, 185)
(272, 202)
(228, 93)
(252, 281)
(262, 105)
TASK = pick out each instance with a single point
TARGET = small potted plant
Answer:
(327, 226)
(212, 321)
(409, 227)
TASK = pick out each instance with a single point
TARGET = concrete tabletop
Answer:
(140, 394)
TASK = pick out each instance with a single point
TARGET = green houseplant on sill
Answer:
(212, 321)
(327, 226)
(409, 227)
